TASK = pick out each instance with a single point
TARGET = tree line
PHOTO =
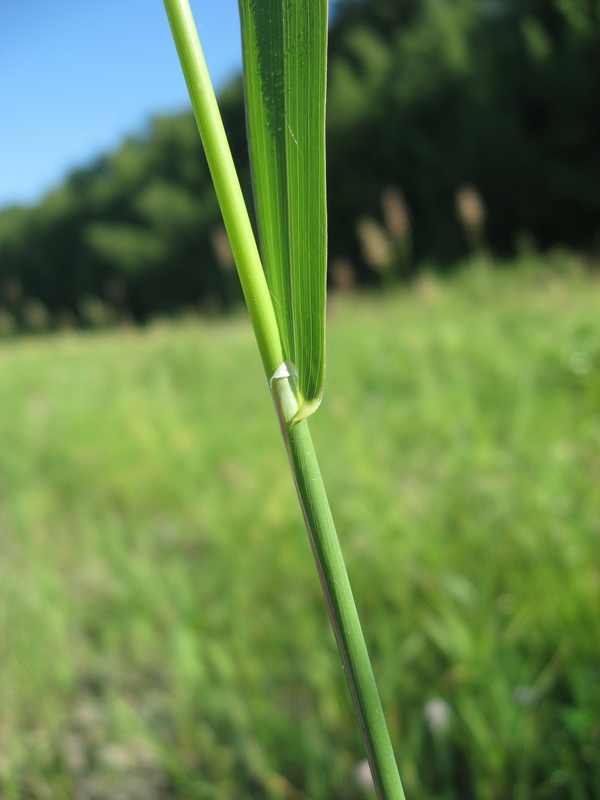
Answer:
(452, 124)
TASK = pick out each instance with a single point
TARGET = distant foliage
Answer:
(498, 95)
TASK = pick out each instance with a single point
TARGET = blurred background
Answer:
(162, 629)
(452, 127)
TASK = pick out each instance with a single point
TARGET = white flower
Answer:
(437, 714)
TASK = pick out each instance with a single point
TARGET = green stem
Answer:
(227, 185)
(342, 611)
(303, 461)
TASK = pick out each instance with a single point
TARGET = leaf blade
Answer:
(284, 45)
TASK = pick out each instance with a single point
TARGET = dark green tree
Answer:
(427, 96)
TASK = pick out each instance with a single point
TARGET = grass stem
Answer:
(226, 182)
(342, 610)
(303, 460)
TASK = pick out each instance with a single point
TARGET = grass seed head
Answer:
(222, 249)
(396, 214)
(342, 274)
(375, 244)
(471, 213)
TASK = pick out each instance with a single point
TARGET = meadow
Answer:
(162, 628)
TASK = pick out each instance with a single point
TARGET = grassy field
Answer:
(162, 630)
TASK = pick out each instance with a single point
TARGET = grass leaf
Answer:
(285, 47)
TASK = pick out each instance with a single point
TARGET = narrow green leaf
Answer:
(285, 52)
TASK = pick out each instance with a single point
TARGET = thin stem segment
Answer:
(227, 186)
(342, 610)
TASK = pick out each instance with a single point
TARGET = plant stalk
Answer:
(226, 182)
(302, 457)
(342, 610)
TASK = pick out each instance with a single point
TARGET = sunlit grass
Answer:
(160, 623)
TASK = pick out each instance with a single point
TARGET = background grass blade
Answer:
(285, 45)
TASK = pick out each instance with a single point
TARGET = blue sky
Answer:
(76, 77)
